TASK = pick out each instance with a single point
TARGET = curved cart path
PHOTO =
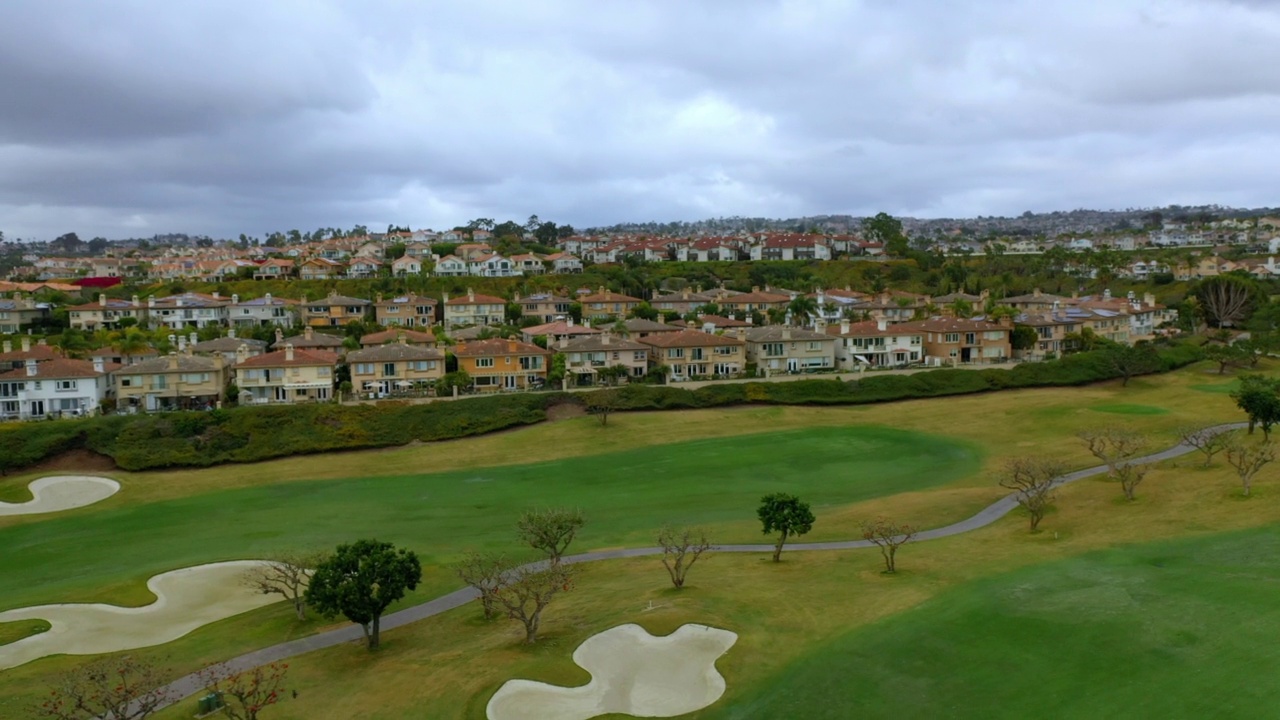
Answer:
(189, 685)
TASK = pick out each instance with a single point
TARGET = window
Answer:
(323, 372)
(638, 356)
(951, 337)
(675, 353)
(388, 369)
(813, 346)
(159, 382)
(994, 335)
(697, 354)
(484, 362)
(64, 385)
(364, 368)
(970, 338)
(773, 348)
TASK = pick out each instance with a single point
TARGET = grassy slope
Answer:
(1166, 630)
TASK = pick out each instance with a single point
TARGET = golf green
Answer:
(626, 496)
(1182, 629)
(1130, 409)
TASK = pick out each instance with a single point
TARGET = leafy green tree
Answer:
(1130, 360)
(644, 311)
(550, 531)
(458, 379)
(1259, 397)
(786, 515)
(884, 228)
(1023, 337)
(1226, 356)
(360, 581)
(802, 308)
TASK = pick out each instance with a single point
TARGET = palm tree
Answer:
(132, 342)
(802, 309)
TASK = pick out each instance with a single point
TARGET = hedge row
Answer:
(249, 434)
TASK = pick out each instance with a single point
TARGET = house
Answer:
(178, 381)
(187, 310)
(321, 268)
(1140, 319)
(876, 343)
(683, 302)
(688, 354)
(405, 310)
(606, 304)
(107, 314)
(451, 266)
(709, 250)
(491, 265)
(544, 307)
(713, 323)
(399, 335)
(778, 349)
(473, 309)
(1035, 302)
(364, 267)
(894, 306)
(18, 313)
(559, 330)
(586, 356)
(500, 364)
(261, 312)
(11, 359)
(418, 250)
(951, 341)
(792, 247)
(228, 347)
(406, 265)
(639, 328)
(275, 268)
(309, 340)
(527, 264)
(397, 367)
(470, 252)
(53, 388)
(334, 310)
(756, 301)
(563, 263)
(286, 376)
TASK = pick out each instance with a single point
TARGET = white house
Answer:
(406, 265)
(265, 310)
(53, 388)
(492, 265)
(451, 266)
(876, 343)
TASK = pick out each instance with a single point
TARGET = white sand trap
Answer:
(632, 672)
(62, 492)
(186, 599)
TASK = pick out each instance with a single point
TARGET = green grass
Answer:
(1130, 409)
(1183, 629)
(15, 631)
(625, 495)
(1222, 388)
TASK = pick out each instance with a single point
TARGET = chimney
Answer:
(1005, 321)
(1035, 293)
(288, 352)
(235, 299)
(231, 333)
(755, 288)
(242, 353)
(844, 326)
(1075, 294)
(182, 343)
(570, 322)
(604, 338)
(267, 297)
(102, 298)
(151, 302)
(99, 365)
(1149, 298)
(7, 346)
(563, 342)
(1106, 294)
(31, 368)
(173, 361)
(377, 298)
(511, 346)
(1055, 307)
(308, 332)
(786, 333)
(135, 302)
(984, 295)
(215, 295)
(740, 333)
(471, 295)
(26, 343)
(193, 339)
(279, 335)
(400, 338)
(882, 324)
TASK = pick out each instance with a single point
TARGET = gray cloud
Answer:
(139, 117)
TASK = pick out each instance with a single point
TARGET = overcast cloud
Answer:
(127, 119)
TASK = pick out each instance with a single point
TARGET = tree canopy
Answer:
(361, 580)
(786, 515)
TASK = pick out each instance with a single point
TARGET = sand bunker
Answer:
(186, 599)
(632, 672)
(62, 492)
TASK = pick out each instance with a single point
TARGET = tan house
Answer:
(399, 335)
(228, 347)
(559, 330)
(781, 349)
(12, 358)
(585, 356)
(17, 312)
(682, 302)
(473, 309)
(761, 301)
(334, 311)
(500, 364)
(286, 376)
(318, 268)
(639, 328)
(544, 307)
(951, 341)
(606, 304)
(689, 354)
(309, 340)
(107, 313)
(397, 367)
(405, 310)
(177, 381)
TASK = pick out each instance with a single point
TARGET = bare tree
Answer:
(1205, 440)
(526, 590)
(1113, 445)
(680, 550)
(1249, 459)
(1130, 476)
(888, 536)
(245, 693)
(550, 530)
(483, 571)
(1032, 481)
(287, 575)
(121, 688)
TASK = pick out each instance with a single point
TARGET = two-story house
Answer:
(778, 349)
(286, 376)
(756, 301)
(450, 266)
(473, 309)
(53, 388)
(187, 310)
(261, 312)
(543, 307)
(12, 358)
(500, 364)
(586, 356)
(398, 367)
(688, 354)
(275, 269)
(606, 305)
(309, 340)
(399, 335)
(563, 263)
(405, 311)
(17, 313)
(334, 310)
(950, 341)
(106, 313)
(406, 265)
(320, 268)
(228, 347)
(876, 343)
(177, 381)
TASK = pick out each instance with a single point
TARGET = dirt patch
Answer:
(78, 460)
(565, 411)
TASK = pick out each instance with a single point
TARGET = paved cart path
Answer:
(189, 685)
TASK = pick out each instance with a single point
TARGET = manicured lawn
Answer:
(13, 631)
(1182, 629)
(625, 495)
(1130, 409)
(1221, 388)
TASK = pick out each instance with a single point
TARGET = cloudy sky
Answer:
(132, 118)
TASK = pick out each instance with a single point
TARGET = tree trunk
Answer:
(300, 607)
(777, 550)
(531, 627)
(373, 635)
(889, 558)
(1035, 521)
